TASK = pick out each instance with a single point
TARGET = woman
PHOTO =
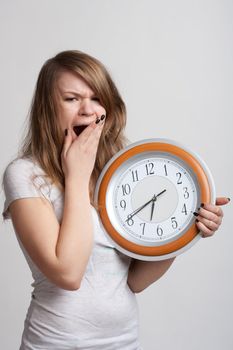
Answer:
(84, 289)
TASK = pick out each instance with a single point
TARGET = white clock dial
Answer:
(146, 196)
(153, 200)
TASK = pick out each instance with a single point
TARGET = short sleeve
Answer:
(23, 178)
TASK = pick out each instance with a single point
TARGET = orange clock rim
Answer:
(189, 235)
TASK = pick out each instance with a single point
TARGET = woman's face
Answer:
(77, 103)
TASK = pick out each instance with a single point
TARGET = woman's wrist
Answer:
(76, 186)
(76, 183)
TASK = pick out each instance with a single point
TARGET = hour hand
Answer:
(152, 209)
(153, 203)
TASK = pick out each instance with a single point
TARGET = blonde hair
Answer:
(44, 138)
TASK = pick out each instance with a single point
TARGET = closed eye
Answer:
(70, 99)
(95, 98)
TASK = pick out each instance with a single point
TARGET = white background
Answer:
(172, 62)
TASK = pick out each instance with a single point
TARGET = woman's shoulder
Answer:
(24, 178)
(22, 166)
(22, 171)
(21, 162)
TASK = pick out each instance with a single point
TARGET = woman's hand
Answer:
(79, 152)
(209, 217)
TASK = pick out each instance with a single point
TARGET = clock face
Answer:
(147, 194)
(152, 199)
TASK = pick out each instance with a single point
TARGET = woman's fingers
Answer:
(211, 212)
(209, 216)
(205, 231)
(208, 221)
(212, 223)
(67, 141)
(88, 131)
(222, 200)
(81, 150)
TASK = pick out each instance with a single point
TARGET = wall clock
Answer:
(146, 195)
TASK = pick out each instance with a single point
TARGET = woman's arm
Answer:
(144, 273)
(75, 240)
(61, 252)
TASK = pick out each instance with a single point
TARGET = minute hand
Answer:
(144, 205)
(139, 209)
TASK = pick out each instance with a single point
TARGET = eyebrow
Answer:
(76, 93)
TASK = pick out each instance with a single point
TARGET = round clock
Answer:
(146, 196)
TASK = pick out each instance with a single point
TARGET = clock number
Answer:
(159, 231)
(179, 182)
(135, 175)
(165, 169)
(186, 193)
(129, 220)
(143, 227)
(123, 204)
(174, 222)
(126, 189)
(184, 209)
(150, 169)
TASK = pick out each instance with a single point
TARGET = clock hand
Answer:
(159, 194)
(144, 205)
(153, 203)
(139, 209)
(152, 208)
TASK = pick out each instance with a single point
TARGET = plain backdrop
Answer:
(172, 62)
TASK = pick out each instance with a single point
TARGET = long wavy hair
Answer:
(44, 138)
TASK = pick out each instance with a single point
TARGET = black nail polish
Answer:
(102, 117)
(197, 220)
(66, 132)
(202, 205)
(97, 120)
(196, 214)
(229, 199)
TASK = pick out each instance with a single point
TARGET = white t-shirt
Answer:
(103, 313)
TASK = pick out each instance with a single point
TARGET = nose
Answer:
(86, 107)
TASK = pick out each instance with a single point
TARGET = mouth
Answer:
(79, 128)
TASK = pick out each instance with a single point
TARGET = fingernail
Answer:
(197, 220)
(102, 117)
(202, 205)
(196, 214)
(97, 120)
(229, 199)
(66, 132)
